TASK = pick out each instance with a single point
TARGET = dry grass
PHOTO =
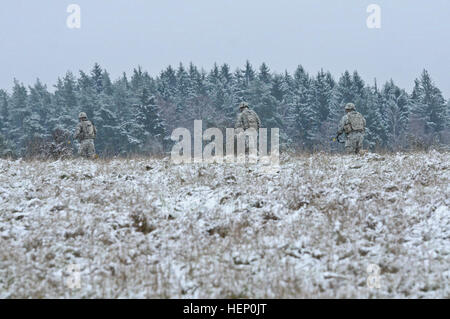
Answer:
(146, 228)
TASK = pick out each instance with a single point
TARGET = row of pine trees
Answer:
(137, 113)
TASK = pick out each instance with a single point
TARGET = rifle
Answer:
(336, 139)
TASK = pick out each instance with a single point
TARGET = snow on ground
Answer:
(146, 228)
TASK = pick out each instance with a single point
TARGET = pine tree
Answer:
(376, 128)
(342, 94)
(429, 105)
(137, 80)
(239, 87)
(18, 113)
(302, 114)
(249, 75)
(122, 98)
(225, 74)
(167, 84)
(4, 113)
(216, 89)
(135, 115)
(264, 104)
(106, 83)
(107, 124)
(196, 82)
(39, 101)
(396, 114)
(148, 117)
(69, 91)
(146, 131)
(64, 109)
(181, 90)
(358, 92)
(97, 78)
(277, 90)
(228, 98)
(264, 74)
(286, 93)
(3, 146)
(214, 76)
(322, 93)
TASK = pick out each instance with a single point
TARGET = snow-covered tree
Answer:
(4, 112)
(97, 78)
(132, 115)
(302, 115)
(396, 114)
(39, 101)
(428, 105)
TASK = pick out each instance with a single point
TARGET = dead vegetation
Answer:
(146, 228)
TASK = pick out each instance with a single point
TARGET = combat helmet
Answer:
(350, 107)
(82, 115)
(243, 105)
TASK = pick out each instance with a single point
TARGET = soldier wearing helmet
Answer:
(247, 118)
(86, 133)
(353, 125)
(350, 107)
(247, 126)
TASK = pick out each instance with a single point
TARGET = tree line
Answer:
(137, 113)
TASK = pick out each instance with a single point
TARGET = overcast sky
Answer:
(329, 34)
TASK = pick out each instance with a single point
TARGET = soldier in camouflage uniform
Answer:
(247, 118)
(85, 134)
(353, 125)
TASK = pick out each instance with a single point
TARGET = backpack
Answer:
(356, 121)
(253, 120)
(88, 130)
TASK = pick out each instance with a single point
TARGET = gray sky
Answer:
(328, 34)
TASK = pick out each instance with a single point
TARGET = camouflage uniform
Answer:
(247, 118)
(86, 133)
(87, 148)
(354, 142)
(355, 137)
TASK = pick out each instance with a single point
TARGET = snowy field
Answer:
(145, 228)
